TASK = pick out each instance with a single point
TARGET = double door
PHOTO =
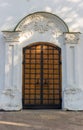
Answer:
(42, 76)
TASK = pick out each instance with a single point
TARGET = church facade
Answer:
(41, 55)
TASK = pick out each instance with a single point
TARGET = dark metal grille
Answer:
(42, 76)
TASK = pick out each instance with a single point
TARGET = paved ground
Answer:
(41, 120)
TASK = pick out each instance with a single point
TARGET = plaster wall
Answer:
(12, 11)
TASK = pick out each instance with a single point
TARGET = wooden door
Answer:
(42, 76)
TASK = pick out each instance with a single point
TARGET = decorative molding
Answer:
(41, 23)
(71, 38)
(11, 36)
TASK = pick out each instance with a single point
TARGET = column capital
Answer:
(11, 36)
(71, 37)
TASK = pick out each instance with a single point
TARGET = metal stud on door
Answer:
(42, 76)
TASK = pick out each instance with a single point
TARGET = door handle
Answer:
(45, 81)
(37, 81)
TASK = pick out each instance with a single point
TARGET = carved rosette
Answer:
(41, 26)
(11, 36)
(71, 38)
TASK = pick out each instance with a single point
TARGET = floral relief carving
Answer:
(41, 28)
(40, 24)
(37, 24)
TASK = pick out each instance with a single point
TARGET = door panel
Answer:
(41, 76)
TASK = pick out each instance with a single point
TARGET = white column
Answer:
(72, 92)
(11, 96)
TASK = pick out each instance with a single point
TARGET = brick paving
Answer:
(41, 120)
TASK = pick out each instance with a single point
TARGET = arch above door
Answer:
(39, 23)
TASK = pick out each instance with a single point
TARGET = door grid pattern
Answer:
(42, 76)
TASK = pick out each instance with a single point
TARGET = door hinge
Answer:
(23, 62)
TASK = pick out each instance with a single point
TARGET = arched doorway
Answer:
(41, 76)
(45, 27)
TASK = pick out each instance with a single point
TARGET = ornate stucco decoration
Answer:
(41, 23)
(71, 38)
(37, 23)
(11, 36)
